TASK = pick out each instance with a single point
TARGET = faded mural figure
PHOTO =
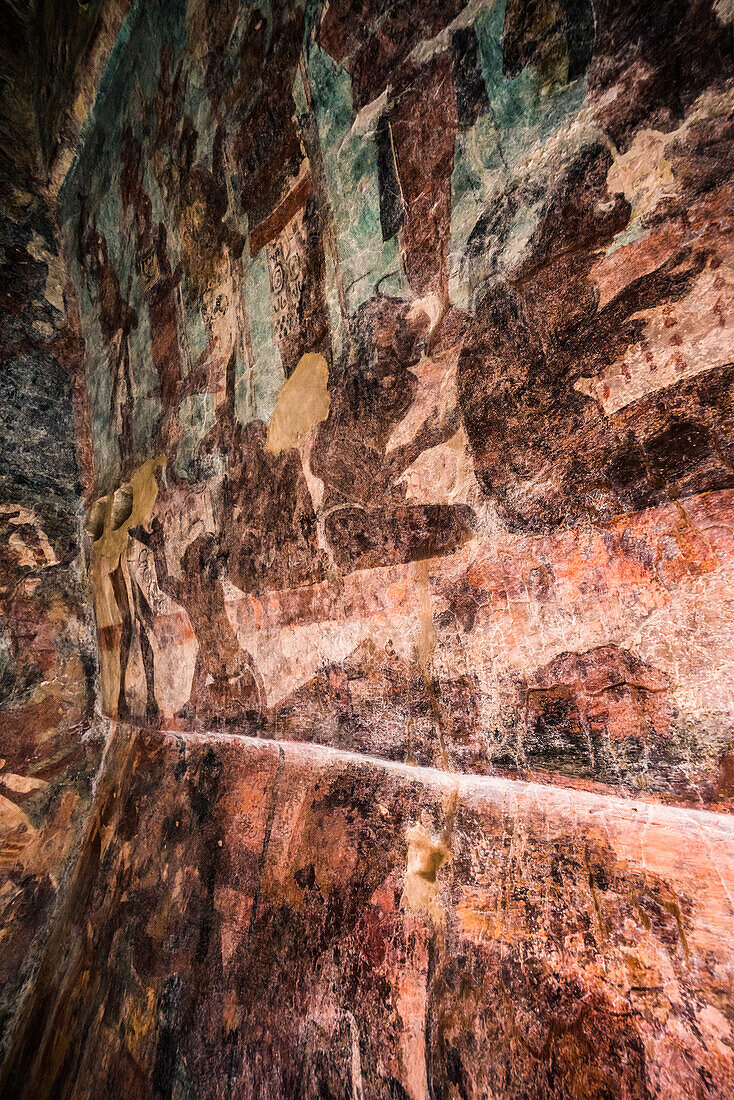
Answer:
(145, 615)
(268, 521)
(415, 136)
(424, 166)
(117, 319)
(367, 519)
(278, 188)
(226, 687)
(376, 430)
(535, 331)
(160, 293)
(160, 284)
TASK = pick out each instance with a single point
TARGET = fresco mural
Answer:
(408, 342)
(260, 920)
(390, 347)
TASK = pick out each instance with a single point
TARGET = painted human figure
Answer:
(415, 135)
(226, 686)
(200, 203)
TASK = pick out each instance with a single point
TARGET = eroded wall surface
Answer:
(408, 353)
(260, 920)
(407, 347)
(47, 643)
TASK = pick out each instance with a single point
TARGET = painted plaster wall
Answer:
(407, 360)
(408, 354)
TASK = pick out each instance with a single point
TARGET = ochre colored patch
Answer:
(426, 856)
(303, 402)
(140, 494)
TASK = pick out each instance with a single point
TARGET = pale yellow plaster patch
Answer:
(131, 505)
(426, 855)
(303, 402)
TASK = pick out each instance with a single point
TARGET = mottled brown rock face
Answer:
(504, 232)
(260, 920)
(48, 757)
(399, 345)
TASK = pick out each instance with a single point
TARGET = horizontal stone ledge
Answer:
(553, 788)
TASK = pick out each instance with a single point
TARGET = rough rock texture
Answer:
(405, 411)
(409, 352)
(47, 642)
(272, 920)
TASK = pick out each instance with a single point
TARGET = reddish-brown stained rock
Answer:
(400, 352)
(275, 920)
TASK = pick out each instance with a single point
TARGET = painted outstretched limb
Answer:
(430, 434)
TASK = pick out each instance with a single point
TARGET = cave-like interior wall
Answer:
(401, 373)
(50, 747)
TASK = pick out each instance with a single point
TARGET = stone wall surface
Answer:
(396, 344)
(408, 353)
(261, 920)
(47, 640)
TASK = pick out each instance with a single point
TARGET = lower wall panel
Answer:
(259, 920)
